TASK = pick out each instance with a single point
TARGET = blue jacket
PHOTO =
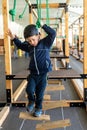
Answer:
(39, 55)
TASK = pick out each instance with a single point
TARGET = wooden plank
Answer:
(77, 83)
(47, 97)
(64, 74)
(19, 90)
(81, 16)
(50, 81)
(53, 125)
(55, 88)
(54, 104)
(3, 114)
(26, 115)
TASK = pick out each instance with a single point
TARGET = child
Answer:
(39, 64)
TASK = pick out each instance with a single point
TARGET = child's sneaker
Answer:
(30, 107)
(37, 112)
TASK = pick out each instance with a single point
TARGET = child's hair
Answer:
(30, 30)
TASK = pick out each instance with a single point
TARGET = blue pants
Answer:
(35, 89)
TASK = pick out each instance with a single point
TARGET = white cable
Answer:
(62, 109)
(22, 124)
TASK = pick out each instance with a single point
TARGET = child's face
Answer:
(33, 40)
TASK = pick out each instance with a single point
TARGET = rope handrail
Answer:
(47, 13)
(12, 12)
(39, 13)
(21, 15)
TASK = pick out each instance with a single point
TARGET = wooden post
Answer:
(60, 27)
(66, 34)
(85, 49)
(72, 37)
(56, 35)
(30, 15)
(8, 69)
(79, 35)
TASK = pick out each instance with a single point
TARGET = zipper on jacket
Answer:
(36, 62)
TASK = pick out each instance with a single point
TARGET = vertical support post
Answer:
(66, 34)
(72, 37)
(79, 35)
(30, 15)
(61, 27)
(56, 36)
(8, 68)
(81, 31)
(85, 50)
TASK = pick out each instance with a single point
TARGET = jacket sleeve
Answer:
(21, 45)
(51, 35)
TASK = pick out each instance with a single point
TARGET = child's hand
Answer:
(12, 36)
(39, 23)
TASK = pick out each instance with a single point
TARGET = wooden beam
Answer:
(76, 20)
(54, 87)
(53, 5)
(19, 90)
(53, 124)
(8, 68)
(26, 115)
(67, 103)
(85, 50)
(3, 114)
(63, 12)
(34, 12)
(77, 83)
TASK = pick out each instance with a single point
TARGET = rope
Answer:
(47, 13)
(21, 15)
(39, 13)
(39, 8)
(13, 11)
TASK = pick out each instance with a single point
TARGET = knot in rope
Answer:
(13, 13)
(20, 16)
